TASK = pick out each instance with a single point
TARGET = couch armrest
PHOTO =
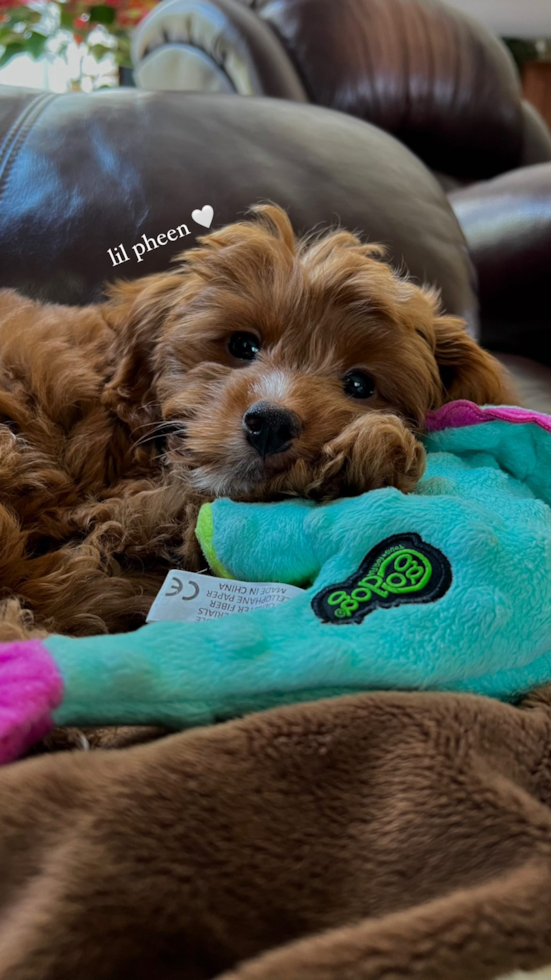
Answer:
(212, 45)
(435, 78)
(507, 223)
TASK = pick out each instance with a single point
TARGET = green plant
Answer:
(52, 26)
(19, 33)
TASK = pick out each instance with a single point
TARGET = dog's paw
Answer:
(375, 450)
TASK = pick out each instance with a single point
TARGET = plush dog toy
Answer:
(447, 588)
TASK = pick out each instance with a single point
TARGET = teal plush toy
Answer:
(447, 588)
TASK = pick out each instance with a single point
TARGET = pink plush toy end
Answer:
(456, 415)
(31, 687)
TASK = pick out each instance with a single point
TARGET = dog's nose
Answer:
(270, 428)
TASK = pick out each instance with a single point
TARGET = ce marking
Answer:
(177, 586)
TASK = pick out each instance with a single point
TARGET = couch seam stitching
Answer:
(17, 135)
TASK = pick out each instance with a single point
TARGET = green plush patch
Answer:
(205, 536)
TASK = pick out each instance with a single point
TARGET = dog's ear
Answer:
(466, 370)
(137, 311)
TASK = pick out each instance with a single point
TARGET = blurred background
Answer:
(70, 45)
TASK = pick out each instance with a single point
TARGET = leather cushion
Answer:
(507, 222)
(94, 171)
(533, 381)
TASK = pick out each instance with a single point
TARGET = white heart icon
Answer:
(204, 216)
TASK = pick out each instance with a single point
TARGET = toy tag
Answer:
(191, 598)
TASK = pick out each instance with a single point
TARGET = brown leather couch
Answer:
(433, 77)
(82, 174)
(436, 79)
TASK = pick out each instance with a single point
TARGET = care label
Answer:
(188, 597)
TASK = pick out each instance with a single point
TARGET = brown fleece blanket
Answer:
(377, 837)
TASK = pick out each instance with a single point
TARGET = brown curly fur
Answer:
(117, 420)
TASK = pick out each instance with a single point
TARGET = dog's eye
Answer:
(244, 346)
(358, 384)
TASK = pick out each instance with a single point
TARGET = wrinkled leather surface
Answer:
(507, 222)
(236, 42)
(93, 171)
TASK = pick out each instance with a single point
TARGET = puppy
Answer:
(259, 367)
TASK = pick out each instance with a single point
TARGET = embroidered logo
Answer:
(401, 569)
